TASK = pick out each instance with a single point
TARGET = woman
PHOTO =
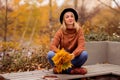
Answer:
(70, 37)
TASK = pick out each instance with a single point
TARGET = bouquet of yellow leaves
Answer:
(62, 60)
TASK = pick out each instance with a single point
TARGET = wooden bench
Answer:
(93, 70)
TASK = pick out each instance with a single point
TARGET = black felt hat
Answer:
(68, 10)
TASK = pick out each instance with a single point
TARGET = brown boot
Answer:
(81, 71)
(55, 71)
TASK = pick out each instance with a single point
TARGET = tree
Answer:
(84, 14)
(109, 6)
(113, 23)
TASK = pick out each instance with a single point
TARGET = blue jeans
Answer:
(76, 62)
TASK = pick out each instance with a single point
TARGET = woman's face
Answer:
(69, 18)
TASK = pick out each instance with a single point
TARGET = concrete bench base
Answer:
(93, 70)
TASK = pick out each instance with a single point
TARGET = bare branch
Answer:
(116, 3)
(109, 6)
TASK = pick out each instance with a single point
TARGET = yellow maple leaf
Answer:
(62, 60)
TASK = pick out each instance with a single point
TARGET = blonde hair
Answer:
(75, 24)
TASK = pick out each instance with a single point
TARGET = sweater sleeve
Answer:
(55, 41)
(81, 43)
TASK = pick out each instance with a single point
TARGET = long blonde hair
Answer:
(75, 24)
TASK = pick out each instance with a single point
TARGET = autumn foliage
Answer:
(29, 25)
(62, 60)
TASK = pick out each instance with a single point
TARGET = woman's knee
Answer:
(50, 54)
(84, 54)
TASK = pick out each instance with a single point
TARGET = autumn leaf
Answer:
(62, 60)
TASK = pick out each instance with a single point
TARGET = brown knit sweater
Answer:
(70, 40)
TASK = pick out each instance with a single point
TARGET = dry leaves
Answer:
(62, 60)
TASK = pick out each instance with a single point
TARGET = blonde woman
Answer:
(70, 37)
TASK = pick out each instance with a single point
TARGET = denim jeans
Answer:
(76, 62)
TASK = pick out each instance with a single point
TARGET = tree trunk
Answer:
(6, 21)
(50, 18)
(0, 4)
(26, 28)
(33, 32)
(75, 4)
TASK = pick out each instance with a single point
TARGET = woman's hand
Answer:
(72, 56)
(57, 50)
